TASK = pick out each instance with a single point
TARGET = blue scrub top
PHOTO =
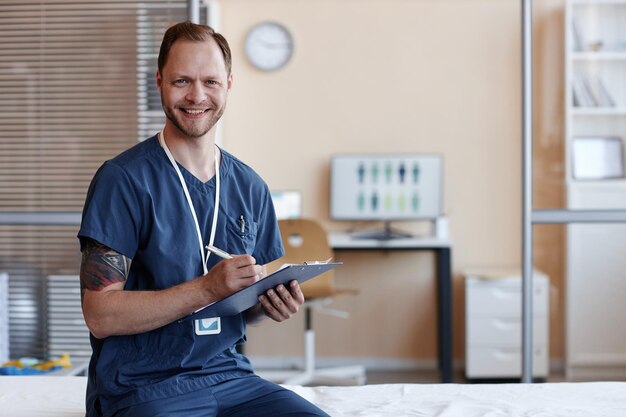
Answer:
(136, 206)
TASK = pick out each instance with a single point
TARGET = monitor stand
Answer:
(386, 233)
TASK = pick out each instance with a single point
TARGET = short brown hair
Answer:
(192, 32)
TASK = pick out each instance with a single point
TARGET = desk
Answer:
(442, 249)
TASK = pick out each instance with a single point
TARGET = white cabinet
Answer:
(493, 325)
(4, 317)
(595, 135)
(67, 331)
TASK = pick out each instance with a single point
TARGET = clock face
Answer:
(269, 46)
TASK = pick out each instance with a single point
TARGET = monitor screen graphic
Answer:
(386, 187)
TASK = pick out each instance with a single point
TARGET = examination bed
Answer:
(55, 396)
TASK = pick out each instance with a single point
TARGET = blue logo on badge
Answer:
(211, 325)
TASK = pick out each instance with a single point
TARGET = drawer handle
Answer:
(513, 292)
(506, 293)
(502, 324)
(506, 355)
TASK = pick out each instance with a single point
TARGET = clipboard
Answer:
(247, 297)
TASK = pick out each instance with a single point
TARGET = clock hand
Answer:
(270, 44)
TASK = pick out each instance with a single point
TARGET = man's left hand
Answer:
(282, 302)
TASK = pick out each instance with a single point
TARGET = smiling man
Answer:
(148, 215)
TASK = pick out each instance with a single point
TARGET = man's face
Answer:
(194, 86)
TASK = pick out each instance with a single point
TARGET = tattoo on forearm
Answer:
(101, 266)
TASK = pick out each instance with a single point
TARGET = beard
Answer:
(195, 129)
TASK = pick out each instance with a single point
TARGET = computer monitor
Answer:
(386, 187)
(287, 204)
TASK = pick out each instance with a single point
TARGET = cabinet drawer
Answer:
(503, 331)
(503, 297)
(503, 362)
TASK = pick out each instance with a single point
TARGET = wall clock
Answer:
(269, 46)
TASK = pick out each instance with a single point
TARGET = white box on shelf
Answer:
(597, 158)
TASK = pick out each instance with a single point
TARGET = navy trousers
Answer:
(243, 397)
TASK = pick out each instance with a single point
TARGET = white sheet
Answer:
(47, 396)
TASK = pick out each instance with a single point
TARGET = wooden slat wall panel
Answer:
(73, 75)
(76, 88)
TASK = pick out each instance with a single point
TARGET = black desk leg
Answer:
(444, 310)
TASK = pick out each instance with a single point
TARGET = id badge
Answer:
(208, 326)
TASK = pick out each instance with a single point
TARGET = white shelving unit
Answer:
(596, 264)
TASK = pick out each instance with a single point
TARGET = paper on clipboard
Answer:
(327, 261)
(247, 297)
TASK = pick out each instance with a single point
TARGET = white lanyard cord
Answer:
(161, 138)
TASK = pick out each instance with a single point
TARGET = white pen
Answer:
(218, 252)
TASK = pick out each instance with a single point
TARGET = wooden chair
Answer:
(306, 240)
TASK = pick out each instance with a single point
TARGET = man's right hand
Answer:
(231, 275)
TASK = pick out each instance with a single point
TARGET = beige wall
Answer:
(402, 76)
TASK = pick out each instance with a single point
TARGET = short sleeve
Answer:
(269, 245)
(111, 214)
